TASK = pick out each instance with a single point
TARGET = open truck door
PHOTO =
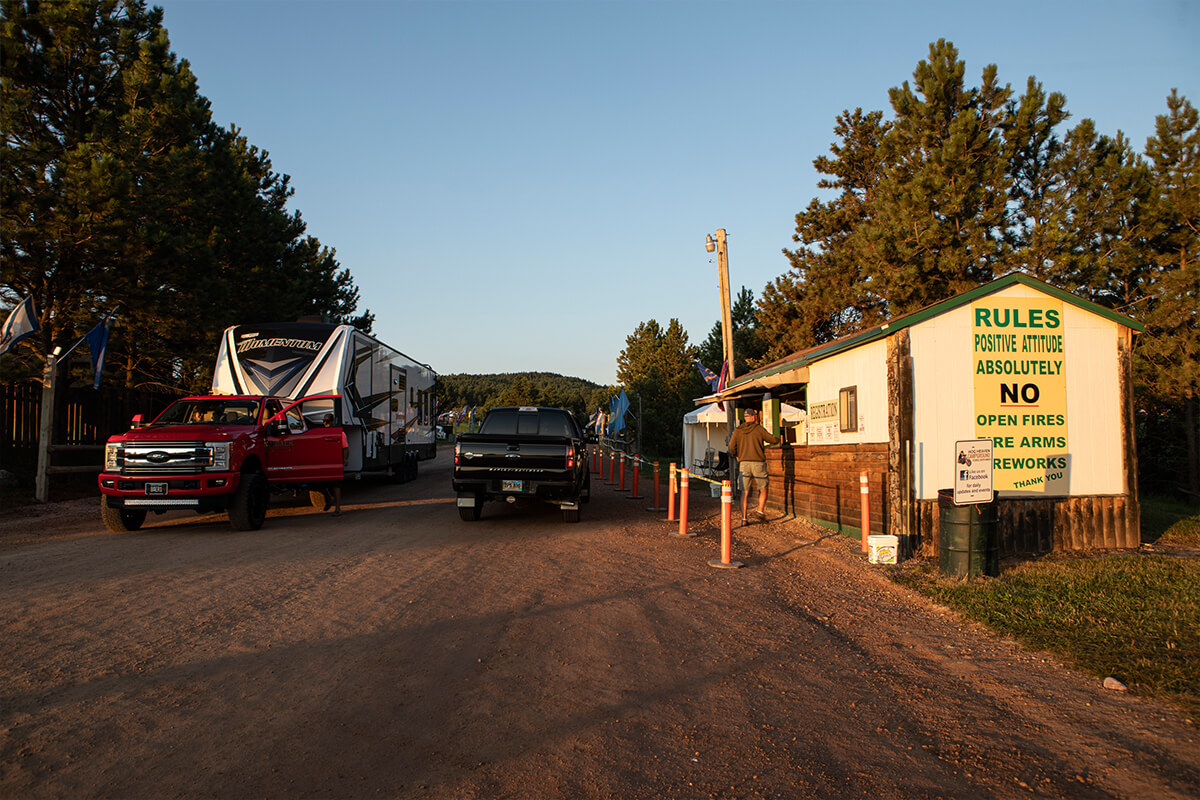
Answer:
(304, 442)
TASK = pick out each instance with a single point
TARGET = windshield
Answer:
(210, 411)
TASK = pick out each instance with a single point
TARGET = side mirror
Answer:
(137, 421)
(278, 426)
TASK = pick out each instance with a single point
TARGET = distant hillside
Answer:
(579, 396)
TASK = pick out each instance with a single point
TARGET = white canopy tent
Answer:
(706, 428)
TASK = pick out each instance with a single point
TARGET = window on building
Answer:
(848, 407)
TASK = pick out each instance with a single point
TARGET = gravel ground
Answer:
(398, 651)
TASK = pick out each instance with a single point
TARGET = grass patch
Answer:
(1134, 617)
(1169, 522)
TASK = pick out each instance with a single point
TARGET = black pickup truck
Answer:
(523, 453)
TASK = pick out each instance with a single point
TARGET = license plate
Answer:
(156, 488)
(512, 486)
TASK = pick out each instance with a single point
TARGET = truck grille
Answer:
(166, 458)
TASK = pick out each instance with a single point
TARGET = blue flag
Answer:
(618, 407)
(21, 322)
(710, 377)
(97, 341)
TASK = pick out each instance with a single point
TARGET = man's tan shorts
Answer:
(753, 470)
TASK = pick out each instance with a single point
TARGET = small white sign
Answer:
(973, 472)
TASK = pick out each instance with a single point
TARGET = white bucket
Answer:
(883, 549)
(715, 488)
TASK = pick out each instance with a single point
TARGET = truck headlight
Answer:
(113, 457)
(218, 455)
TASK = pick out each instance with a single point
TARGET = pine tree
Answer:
(827, 292)
(940, 212)
(1169, 350)
(656, 367)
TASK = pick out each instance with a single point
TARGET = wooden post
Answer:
(41, 490)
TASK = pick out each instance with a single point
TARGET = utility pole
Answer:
(726, 310)
(722, 249)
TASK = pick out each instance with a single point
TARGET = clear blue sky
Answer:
(517, 185)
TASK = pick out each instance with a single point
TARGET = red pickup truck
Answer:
(220, 453)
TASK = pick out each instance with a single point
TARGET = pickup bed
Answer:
(523, 453)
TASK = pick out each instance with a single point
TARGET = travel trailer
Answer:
(388, 404)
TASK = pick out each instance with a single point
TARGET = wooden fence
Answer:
(84, 419)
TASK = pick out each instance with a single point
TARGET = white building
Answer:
(1045, 375)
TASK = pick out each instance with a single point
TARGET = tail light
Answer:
(457, 450)
(570, 456)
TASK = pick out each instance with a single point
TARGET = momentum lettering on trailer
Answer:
(1019, 367)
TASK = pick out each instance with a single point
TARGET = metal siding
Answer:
(866, 368)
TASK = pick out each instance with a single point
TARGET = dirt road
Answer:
(399, 652)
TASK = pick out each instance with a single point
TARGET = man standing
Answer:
(746, 445)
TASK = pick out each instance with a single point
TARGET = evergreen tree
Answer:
(118, 190)
(939, 217)
(1169, 350)
(1038, 228)
(656, 368)
(827, 292)
(748, 344)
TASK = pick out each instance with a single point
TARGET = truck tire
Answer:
(248, 508)
(586, 495)
(120, 520)
(473, 513)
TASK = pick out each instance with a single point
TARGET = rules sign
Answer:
(1021, 390)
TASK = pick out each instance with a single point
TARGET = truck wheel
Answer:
(249, 506)
(586, 495)
(120, 520)
(473, 513)
(570, 515)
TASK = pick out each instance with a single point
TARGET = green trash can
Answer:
(967, 537)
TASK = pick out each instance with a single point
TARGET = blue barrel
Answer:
(967, 537)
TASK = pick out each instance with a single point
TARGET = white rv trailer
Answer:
(389, 404)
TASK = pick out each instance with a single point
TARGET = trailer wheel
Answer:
(120, 520)
(249, 506)
(412, 465)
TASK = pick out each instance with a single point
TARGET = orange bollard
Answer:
(596, 459)
(612, 468)
(683, 505)
(622, 489)
(726, 560)
(657, 479)
(633, 494)
(603, 465)
(865, 495)
(671, 494)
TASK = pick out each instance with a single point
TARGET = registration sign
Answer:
(156, 488)
(973, 472)
(512, 486)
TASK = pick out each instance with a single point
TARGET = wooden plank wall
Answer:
(1030, 526)
(821, 482)
(84, 417)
